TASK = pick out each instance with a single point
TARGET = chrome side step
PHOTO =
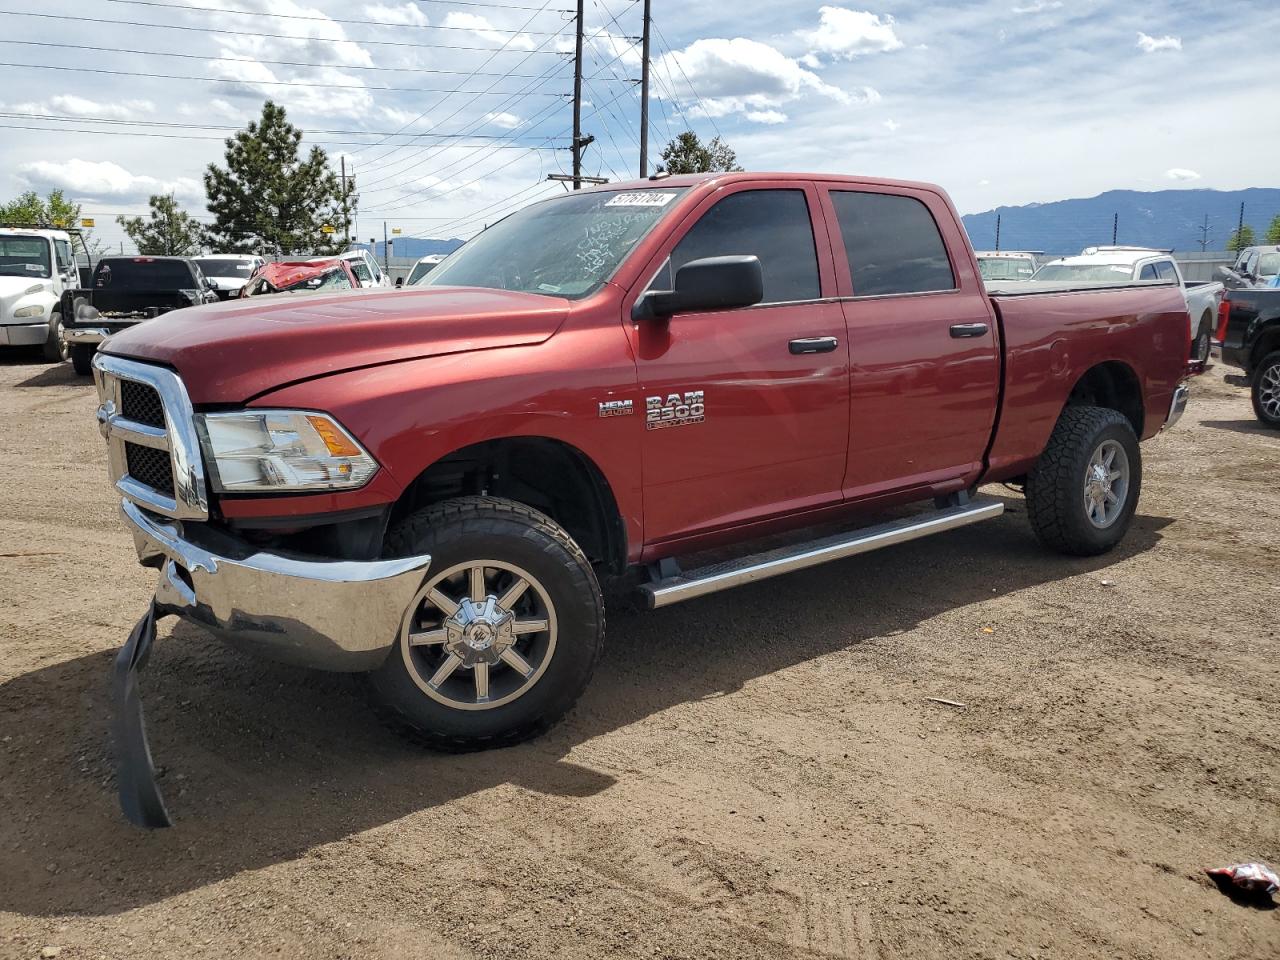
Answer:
(761, 566)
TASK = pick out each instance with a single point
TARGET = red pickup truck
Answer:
(429, 484)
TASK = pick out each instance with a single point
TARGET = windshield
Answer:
(24, 257)
(565, 247)
(143, 273)
(226, 268)
(419, 271)
(1269, 264)
(1113, 272)
(1006, 268)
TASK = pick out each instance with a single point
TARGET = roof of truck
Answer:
(695, 179)
(1126, 256)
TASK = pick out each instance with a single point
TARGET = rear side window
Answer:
(773, 225)
(892, 243)
(1165, 271)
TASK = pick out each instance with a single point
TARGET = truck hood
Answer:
(14, 289)
(232, 351)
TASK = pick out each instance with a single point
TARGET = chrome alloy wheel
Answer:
(64, 348)
(1269, 391)
(1106, 484)
(479, 634)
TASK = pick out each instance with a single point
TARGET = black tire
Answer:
(55, 348)
(456, 533)
(1202, 343)
(1265, 391)
(1056, 487)
(82, 358)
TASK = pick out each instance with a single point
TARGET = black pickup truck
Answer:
(1249, 332)
(124, 291)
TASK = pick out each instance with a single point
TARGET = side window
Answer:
(1149, 273)
(361, 269)
(1165, 270)
(64, 253)
(773, 225)
(893, 244)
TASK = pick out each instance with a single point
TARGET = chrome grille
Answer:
(140, 402)
(152, 448)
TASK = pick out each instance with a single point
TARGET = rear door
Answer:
(923, 352)
(747, 410)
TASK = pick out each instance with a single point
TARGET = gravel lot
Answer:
(757, 774)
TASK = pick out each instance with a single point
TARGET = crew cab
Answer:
(124, 291)
(1249, 334)
(1145, 263)
(429, 485)
(365, 266)
(36, 266)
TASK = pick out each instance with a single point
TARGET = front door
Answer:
(746, 409)
(923, 349)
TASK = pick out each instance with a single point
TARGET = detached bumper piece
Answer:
(330, 615)
(85, 335)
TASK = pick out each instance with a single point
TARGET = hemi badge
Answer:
(616, 408)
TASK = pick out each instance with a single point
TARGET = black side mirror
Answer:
(399, 282)
(714, 283)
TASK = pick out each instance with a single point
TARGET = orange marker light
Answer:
(334, 439)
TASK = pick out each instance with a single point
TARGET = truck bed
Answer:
(1049, 332)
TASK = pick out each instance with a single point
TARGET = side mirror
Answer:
(714, 283)
(399, 282)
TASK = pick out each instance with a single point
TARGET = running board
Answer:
(772, 563)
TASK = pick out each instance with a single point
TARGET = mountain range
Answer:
(1166, 219)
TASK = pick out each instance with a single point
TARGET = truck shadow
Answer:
(263, 762)
(1241, 426)
(56, 375)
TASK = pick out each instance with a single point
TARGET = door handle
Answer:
(813, 345)
(962, 330)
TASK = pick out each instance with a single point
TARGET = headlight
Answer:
(36, 310)
(281, 451)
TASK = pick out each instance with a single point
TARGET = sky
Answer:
(451, 113)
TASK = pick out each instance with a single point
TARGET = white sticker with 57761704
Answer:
(645, 198)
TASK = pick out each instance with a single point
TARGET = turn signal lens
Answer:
(339, 444)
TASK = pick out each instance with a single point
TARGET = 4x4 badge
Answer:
(675, 411)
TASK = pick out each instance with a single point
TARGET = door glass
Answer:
(772, 225)
(64, 254)
(1165, 271)
(1149, 272)
(892, 243)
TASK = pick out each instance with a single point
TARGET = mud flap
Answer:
(140, 797)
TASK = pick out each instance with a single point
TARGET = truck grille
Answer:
(153, 451)
(141, 403)
(150, 467)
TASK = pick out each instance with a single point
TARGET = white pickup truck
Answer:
(36, 265)
(1144, 263)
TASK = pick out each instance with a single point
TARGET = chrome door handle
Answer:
(813, 345)
(962, 330)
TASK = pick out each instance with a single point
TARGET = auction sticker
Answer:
(644, 198)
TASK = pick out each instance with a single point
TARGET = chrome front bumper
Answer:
(24, 334)
(1177, 405)
(85, 334)
(330, 615)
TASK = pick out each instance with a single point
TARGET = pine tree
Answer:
(1239, 239)
(267, 199)
(168, 232)
(687, 154)
(1273, 231)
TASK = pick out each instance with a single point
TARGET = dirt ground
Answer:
(755, 774)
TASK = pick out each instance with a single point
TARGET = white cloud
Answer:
(409, 14)
(507, 121)
(766, 116)
(102, 179)
(745, 76)
(80, 107)
(1181, 173)
(482, 28)
(892, 125)
(845, 34)
(400, 117)
(1039, 6)
(1156, 44)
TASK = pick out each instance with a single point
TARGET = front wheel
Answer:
(1083, 491)
(82, 358)
(55, 347)
(1265, 391)
(502, 638)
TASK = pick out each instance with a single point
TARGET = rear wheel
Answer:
(503, 637)
(82, 358)
(1200, 347)
(1266, 390)
(1084, 489)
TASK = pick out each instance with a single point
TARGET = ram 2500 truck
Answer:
(430, 484)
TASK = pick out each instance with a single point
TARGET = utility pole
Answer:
(1240, 226)
(346, 211)
(577, 102)
(1204, 234)
(1115, 227)
(644, 95)
(997, 233)
(385, 255)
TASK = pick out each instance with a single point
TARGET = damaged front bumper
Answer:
(332, 615)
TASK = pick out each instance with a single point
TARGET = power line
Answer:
(299, 16)
(272, 83)
(256, 33)
(705, 112)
